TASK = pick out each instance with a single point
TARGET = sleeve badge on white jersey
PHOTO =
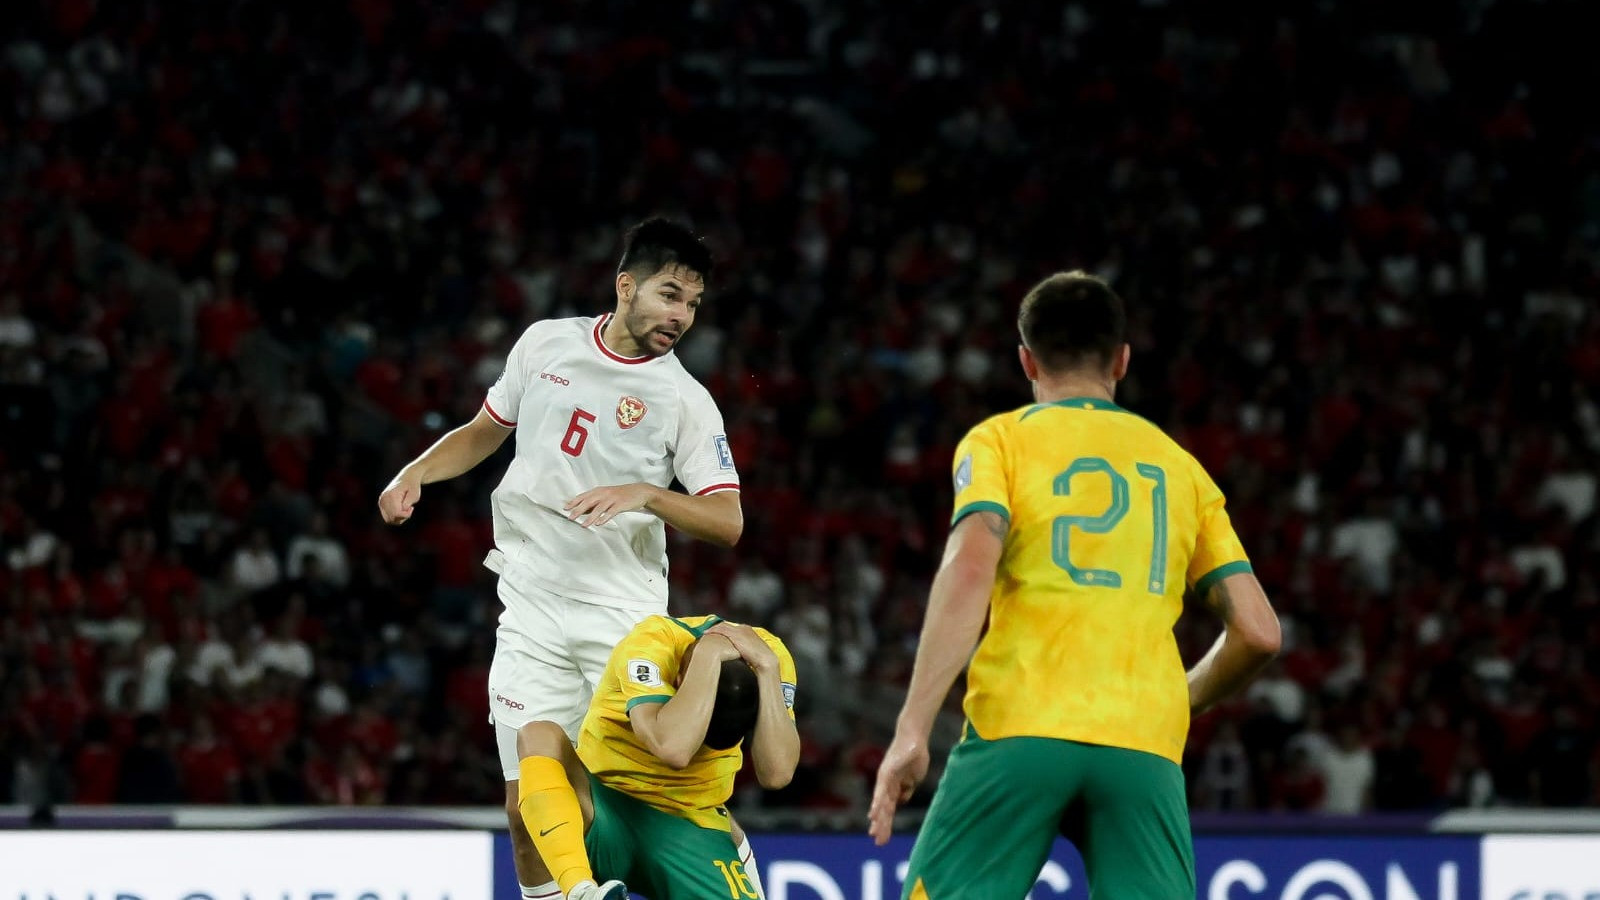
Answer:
(724, 453)
(964, 473)
(645, 672)
(629, 411)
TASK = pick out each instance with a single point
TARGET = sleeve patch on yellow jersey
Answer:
(645, 672)
(788, 695)
(964, 473)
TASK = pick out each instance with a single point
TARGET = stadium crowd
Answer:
(254, 255)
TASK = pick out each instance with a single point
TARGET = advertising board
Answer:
(236, 865)
(1310, 867)
(1541, 867)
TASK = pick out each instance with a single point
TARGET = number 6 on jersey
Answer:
(572, 442)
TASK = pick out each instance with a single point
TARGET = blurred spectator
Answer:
(1348, 771)
(208, 766)
(347, 779)
(1312, 740)
(756, 592)
(1569, 487)
(96, 770)
(1225, 776)
(1370, 540)
(156, 663)
(1280, 695)
(407, 659)
(328, 694)
(254, 566)
(1562, 758)
(1541, 558)
(301, 413)
(285, 652)
(1299, 786)
(1472, 785)
(38, 779)
(333, 564)
(1349, 666)
(148, 773)
(34, 548)
(1398, 781)
(804, 625)
(16, 331)
(275, 781)
(209, 656)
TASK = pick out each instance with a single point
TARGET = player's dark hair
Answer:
(736, 706)
(654, 244)
(1072, 319)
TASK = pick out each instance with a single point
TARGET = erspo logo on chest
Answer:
(630, 410)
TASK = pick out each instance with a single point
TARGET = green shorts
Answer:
(660, 855)
(1002, 803)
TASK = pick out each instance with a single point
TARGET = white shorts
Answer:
(549, 653)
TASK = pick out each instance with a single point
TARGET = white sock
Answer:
(547, 891)
(748, 857)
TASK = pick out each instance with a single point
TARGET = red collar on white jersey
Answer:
(599, 341)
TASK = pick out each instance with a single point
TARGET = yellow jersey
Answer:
(644, 668)
(1109, 522)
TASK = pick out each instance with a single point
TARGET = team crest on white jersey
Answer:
(629, 411)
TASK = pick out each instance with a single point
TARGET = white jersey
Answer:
(587, 417)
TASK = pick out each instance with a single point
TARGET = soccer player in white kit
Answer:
(605, 418)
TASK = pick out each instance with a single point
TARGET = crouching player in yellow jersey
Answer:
(1078, 527)
(641, 800)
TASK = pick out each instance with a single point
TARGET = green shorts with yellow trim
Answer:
(660, 855)
(1002, 803)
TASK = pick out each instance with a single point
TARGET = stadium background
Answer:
(255, 255)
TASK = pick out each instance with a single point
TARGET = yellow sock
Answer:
(549, 808)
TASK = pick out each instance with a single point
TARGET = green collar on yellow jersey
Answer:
(697, 630)
(1076, 403)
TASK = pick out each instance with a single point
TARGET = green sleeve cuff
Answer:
(980, 506)
(647, 698)
(1203, 586)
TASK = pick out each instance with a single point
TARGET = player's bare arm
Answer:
(958, 604)
(715, 518)
(1250, 640)
(451, 455)
(674, 731)
(775, 745)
